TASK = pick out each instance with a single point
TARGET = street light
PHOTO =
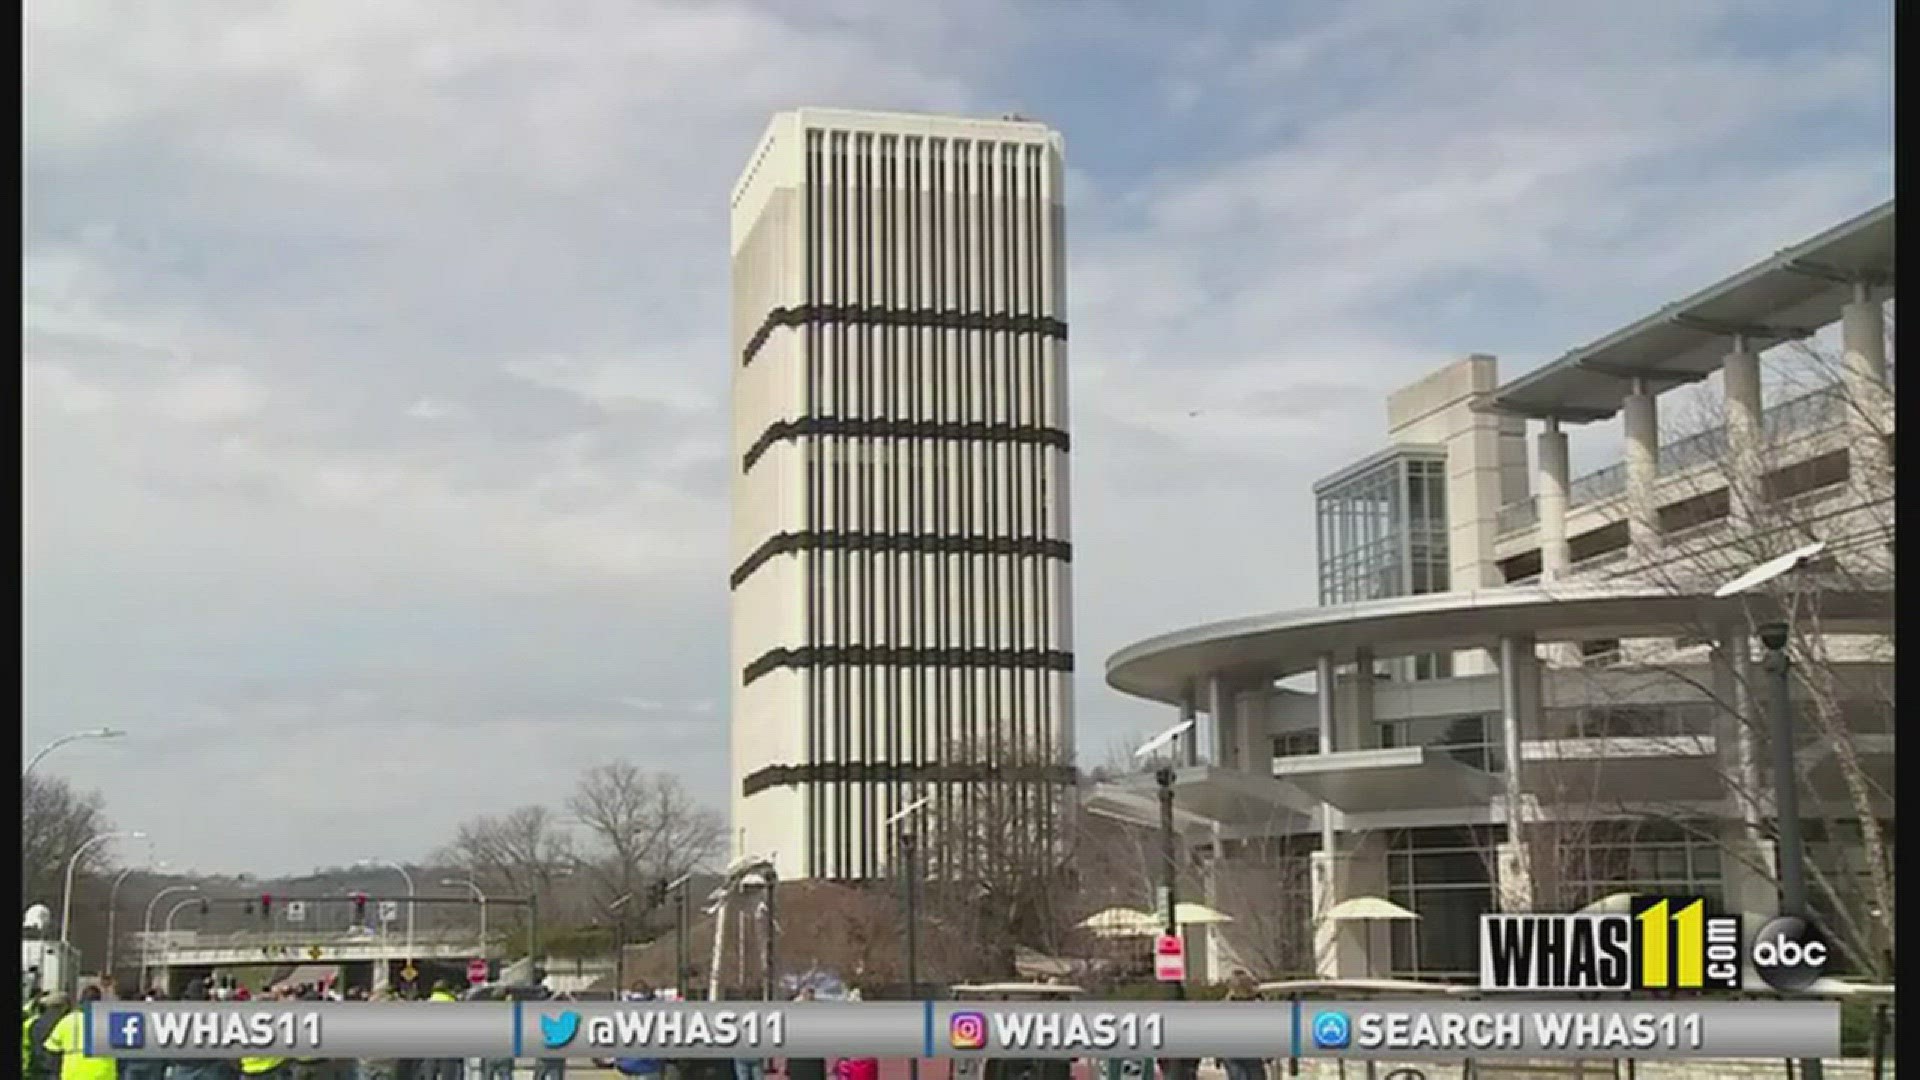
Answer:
(1786, 783)
(907, 838)
(410, 893)
(1163, 777)
(113, 902)
(482, 897)
(66, 905)
(682, 954)
(91, 733)
(146, 928)
(169, 929)
(617, 910)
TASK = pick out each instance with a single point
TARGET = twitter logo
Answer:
(558, 1031)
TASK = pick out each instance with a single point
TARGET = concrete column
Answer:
(1551, 501)
(1641, 418)
(1738, 743)
(1749, 873)
(1863, 332)
(1341, 949)
(1221, 724)
(1519, 714)
(1362, 736)
(1190, 742)
(1323, 697)
(1745, 437)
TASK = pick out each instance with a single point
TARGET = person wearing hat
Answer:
(444, 1068)
(68, 1039)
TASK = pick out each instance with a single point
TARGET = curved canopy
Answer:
(1285, 643)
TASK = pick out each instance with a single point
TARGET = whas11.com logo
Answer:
(1659, 943)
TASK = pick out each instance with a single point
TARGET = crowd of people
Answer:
(53, 1044)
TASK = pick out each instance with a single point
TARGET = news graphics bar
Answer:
(1412, 1029)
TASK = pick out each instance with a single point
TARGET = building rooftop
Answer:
(1787, 296)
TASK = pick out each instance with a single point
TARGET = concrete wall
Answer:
(1486, 466)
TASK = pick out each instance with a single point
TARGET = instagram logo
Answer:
(967, 1030)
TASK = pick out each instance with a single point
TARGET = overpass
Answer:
(197, 948)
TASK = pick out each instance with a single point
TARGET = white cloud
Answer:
(374, 346)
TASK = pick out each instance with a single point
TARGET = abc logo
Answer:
(1789, 953)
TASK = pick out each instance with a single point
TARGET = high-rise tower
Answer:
(901, 618)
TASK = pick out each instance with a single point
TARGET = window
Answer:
(1444, 875)
(1470, 740)
(1600, 653)
(1383, 531)
(1296, 744)
(1634, 721)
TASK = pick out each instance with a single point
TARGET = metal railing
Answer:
(247, 939)
(1597, 485)
(1519, 515)
(1815, 409)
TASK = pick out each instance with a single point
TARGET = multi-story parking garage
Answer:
(1525, 694)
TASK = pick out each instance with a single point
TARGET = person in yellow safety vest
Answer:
(263, 1066)
(69, 1040)
(27, 1016)
(444, 1068)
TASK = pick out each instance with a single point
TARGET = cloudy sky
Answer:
(376, 367)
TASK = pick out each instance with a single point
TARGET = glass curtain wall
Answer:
(1383, 533)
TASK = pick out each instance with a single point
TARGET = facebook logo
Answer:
(126, 1031)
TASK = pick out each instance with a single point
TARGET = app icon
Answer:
(1332, 1031)
(558, 1031)
(126, 1031)
(967, 1030)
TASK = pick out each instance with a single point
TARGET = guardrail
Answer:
(1818, 408)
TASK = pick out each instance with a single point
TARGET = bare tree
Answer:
(646, 829)
(522, 852)
(55, 820)
(1808, 485)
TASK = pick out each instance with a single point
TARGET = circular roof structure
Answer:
(1286, 643)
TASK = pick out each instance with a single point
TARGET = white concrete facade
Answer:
(901, 592)
(1536, 748)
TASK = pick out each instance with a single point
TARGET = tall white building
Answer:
(900, 593)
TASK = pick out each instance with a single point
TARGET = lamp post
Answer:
(682, 960)
(910, 885)
(1176, 1068)
(482, 897)
(1786, 787)
(175, 910)
(618, 910)
(66, 905)
(408, 878)
(91, 733)
(1774, 636)
(113, 904)
(146, 927)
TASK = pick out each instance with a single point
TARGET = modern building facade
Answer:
(1526, 695)
(900, 597)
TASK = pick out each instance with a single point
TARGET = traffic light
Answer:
(248, 908)
(266, 905)
(203, 907)
(360, 908)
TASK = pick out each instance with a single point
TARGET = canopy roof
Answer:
(1786, 296)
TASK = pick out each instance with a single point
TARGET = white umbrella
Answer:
(1373, 909)
(1117, 922)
